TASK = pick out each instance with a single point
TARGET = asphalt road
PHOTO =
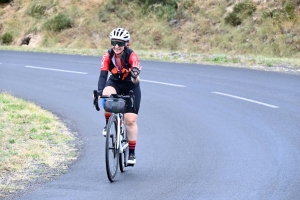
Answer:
(205, 132)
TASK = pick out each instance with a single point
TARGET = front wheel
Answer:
(111, 151)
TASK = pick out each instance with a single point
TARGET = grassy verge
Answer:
(35, 144)
(290, 65)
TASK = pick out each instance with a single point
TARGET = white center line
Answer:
(245, 99)
(59, 70)
(170, 84)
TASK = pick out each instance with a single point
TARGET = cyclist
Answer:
(124, 66)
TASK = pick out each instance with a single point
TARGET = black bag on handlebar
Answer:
(115, 105)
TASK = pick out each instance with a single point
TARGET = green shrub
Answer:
(37, 10)
(285, 13)
(244, 8)
(111, 6)
(290, 10)
(233, 19)
(163, 11)
(273, 14)
(7, 38)
(58, 23)
(240, 11)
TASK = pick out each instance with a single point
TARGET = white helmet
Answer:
(120, 34)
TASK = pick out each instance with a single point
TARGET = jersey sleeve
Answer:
(103, 71)
(105, 62)
(133, 58)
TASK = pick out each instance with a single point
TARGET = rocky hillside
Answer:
(259, 27)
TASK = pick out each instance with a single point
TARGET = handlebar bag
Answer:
(114, 105)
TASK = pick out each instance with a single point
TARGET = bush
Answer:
(111, 6)
(240, 11)
(244, 8)
(58, 23)
(233, 19)
(285, 13)
(162, 11)
(290, 11)
(7, 38)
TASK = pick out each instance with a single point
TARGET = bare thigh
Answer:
(108, 90)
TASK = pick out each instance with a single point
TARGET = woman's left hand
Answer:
(139, 67)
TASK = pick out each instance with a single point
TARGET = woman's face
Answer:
(118, 46)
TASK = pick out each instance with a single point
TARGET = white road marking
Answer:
(163, 83)
(245, 99)
(59, 70)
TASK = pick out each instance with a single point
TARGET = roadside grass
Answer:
(34, 144)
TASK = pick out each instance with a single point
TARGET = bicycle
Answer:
(116, 145)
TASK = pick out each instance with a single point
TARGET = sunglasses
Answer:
(119, 43)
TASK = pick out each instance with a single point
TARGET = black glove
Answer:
(133, 71)
(95, 102)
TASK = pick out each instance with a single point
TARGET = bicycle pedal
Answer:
(130, 165)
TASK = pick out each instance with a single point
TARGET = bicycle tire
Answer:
(111, 151)
(123, 155)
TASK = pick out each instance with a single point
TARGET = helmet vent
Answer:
(120, 34)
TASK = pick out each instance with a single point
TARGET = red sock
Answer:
(107, 116)
(131, 144)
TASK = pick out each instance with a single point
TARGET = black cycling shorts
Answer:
(122, 87)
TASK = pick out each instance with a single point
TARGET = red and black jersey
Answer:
(118, 73)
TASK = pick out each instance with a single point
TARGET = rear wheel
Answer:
(111, 151)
